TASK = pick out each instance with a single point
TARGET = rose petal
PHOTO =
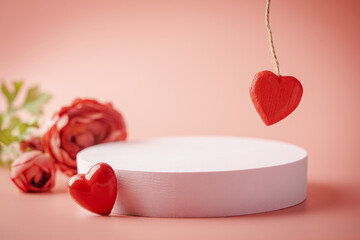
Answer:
(99, 129)
(85, 139)
(22, 163)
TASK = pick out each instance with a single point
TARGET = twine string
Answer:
(271, 38)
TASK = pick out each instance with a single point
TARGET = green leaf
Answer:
(6, 92)
(10, 96)
(1, 121)
(22, 128)
(25, 126)
(34, 124)
(14, 123)
(17, 86)
(31, 94)
(6, 137)
(34, 102)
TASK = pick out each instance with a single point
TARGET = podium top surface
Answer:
(193, 154)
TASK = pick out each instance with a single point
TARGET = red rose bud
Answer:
(83, 124)
(33, 172)
(34, 143)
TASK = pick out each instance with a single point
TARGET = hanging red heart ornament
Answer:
(95, 191)
(275, 97)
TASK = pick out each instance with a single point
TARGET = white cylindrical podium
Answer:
(202, 176)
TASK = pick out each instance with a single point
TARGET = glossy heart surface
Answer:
(275, 97)
(95, 191)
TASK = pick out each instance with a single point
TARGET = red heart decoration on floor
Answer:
(95, 191)
(275, 97)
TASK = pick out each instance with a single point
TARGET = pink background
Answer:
(184, 68)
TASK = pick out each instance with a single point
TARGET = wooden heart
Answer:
(275, 97)
(95, 191)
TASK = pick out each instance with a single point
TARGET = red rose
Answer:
(33, 143)
(33, 172)
(83, 124)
